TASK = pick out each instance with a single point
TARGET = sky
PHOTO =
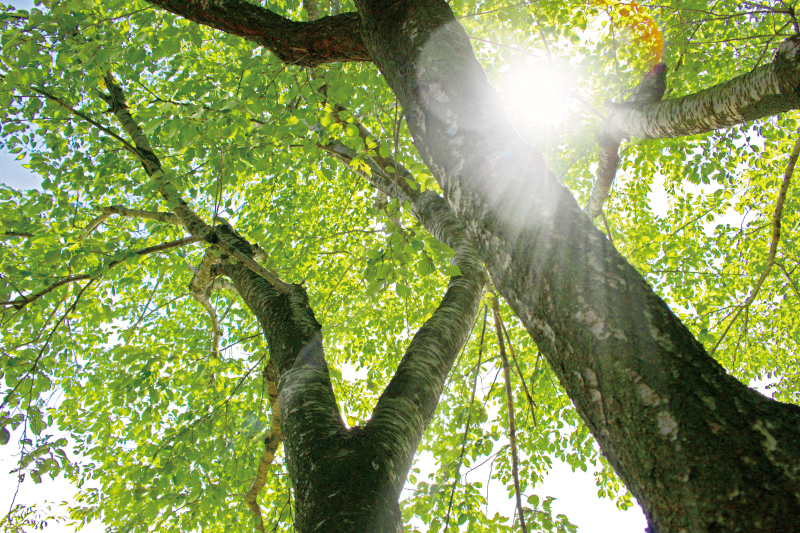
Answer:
(575, 492)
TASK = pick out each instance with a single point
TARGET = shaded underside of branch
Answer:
(326, 40)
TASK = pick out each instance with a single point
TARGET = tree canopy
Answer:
(187, 158)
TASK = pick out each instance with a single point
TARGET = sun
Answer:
(535, 95)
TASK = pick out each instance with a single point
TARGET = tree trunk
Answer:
(338, 474)
(349, 479)
(699, 450)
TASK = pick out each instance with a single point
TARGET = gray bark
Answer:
(350, 479)
(763, 92)
(699, 450)
(344, 479)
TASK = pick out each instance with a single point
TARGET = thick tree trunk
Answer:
(700, 451)
(349, 480)
(338, 474)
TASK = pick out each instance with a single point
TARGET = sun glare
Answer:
(535, 95)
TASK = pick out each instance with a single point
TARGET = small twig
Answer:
(469, 418)
(147, 304)
(480, 13)
(536, 367)
(531, 403)
(596, 112)
(773, 246)
(85, 117)
(544, 40)
(791, 281)
(616, 59)
(574, 161)
(520, 50)
(33, 368)
(22, 301)
(512, 431)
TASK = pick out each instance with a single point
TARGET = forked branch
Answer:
(188, 218)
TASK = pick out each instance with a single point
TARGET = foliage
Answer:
(121, 359)
(24, 518)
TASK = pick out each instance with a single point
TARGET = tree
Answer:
(164, 135)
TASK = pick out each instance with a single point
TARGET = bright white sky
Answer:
(575, 492)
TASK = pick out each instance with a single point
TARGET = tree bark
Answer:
(699, 450)
(325, 40)
(765, 91)
(349, 479)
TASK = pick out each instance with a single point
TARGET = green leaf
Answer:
(451, 270)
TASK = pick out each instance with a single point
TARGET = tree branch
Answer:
(430, 354)
(85, 117)
(408, 402)
(122, 211)
(331, 39)
(427, 206)
(469, 419)
(607, 166)
(225, 241)
(16, 234)
(765, 91)
(433, 349)
(773, 245)
(531, 403)
(21, 302)
(58, 323)
(512, 431)
(201, 286)
(271, 444)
